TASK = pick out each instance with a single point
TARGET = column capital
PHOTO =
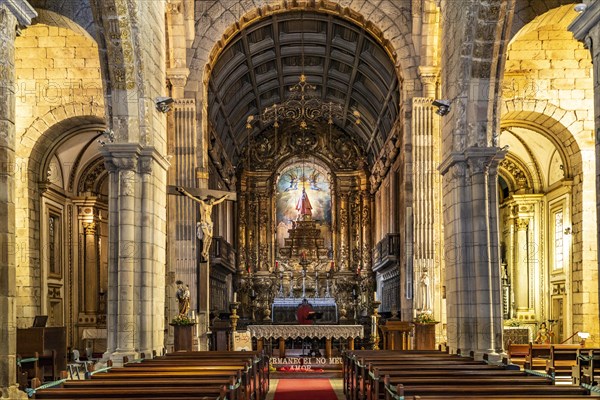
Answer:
(130, 156)
(178, 76)
(522, 223)
(479, 159)
(429, 74)
(89, 228)
(21, 10)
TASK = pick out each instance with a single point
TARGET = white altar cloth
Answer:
(302, 331)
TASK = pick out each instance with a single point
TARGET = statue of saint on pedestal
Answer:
(183, 297)
(424, 291)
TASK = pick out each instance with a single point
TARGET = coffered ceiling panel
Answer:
(344, 63)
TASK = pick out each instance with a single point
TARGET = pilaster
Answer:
(14, 15)
(427, 252)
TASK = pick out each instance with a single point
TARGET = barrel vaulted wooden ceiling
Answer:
(345, 63)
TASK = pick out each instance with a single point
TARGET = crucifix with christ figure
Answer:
(206, 198)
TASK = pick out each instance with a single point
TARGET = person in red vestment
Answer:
(303, 313)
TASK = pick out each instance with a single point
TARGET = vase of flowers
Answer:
(183, 332)
(425, 331)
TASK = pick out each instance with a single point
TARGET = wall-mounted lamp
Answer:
(164, 104)
(443, 107)
(581, 7)
(583, 336)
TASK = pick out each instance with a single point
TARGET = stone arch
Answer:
(552, 122)
(395, 36)
(399, 47)
(80, 12)
(28, 185)
(58, 117)
(556, 125)
(526, 11)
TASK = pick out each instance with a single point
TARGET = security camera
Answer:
(163, 104)
(443, 107)
(581, 7)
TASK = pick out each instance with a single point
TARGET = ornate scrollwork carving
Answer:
(267, 149)
(517, 173)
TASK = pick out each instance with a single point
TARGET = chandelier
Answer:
(300, 107)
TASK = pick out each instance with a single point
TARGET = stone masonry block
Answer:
(31, 53)
(51, 41)
(61, 52)
(25, 41)
(559, 44)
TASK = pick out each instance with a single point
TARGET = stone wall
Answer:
(57, 78)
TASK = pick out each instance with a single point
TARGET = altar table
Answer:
(282, 332)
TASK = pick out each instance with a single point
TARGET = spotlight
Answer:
(581, 7)
(443, 107)
(163, 104)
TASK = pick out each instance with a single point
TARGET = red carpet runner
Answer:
(304, 389)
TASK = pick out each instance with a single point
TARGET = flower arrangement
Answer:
(425, 318)
(183, 320)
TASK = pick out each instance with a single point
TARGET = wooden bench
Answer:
(356, 363)
(427, 375)
(363, 378)
(562, 359)
(481, 391)
(590, 369)
(540, 354)
(203, 375)
(517, 354)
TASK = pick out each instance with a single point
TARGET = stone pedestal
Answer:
(183, 337)
(425, 336)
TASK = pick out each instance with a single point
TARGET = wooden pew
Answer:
(260, 375)
(426, 375)
(357, 363)
(562, 359)
(362, 380)
(204, 376)
(252, 381)
(589, 367)
(517, 354)
(168, 392)
(482, 391)
(540, 354)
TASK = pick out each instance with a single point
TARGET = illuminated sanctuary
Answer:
(386, 160)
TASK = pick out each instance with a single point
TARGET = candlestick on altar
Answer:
(234, 319)
(374, 324)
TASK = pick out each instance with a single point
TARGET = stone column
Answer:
(521, 279)
(90, 268)
(137, 249)
(472, 262)
(14, 14)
